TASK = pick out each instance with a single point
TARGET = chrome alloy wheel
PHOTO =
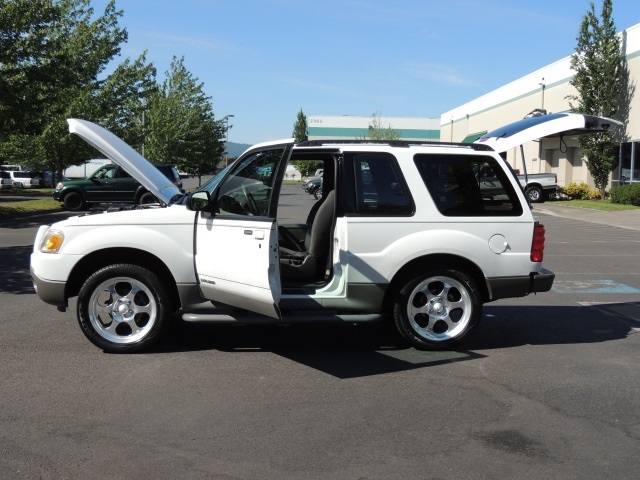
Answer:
(122, 310)
(439, 308)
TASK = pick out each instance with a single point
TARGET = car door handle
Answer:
(259, 235)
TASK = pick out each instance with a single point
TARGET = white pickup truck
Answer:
(539, 186)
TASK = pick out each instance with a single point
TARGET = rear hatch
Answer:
(545, 126)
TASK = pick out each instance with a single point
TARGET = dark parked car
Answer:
(45, 178)
(110, 183)
(311, 184)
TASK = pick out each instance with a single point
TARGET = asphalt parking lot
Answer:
(547, 387)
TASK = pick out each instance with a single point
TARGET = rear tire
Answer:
(535, 194)
(438, 311)
(147, 198)
(123, 308)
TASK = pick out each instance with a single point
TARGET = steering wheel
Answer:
(288, 238)
(230, 204)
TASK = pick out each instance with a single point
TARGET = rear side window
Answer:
(380, 187)
(468, 185)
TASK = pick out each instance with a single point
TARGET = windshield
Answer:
(215, 180)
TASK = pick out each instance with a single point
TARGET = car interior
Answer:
(305, 245)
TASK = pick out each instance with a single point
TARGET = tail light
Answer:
(537, 246)
(555, 179)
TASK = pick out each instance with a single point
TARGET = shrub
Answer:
(594, 194)
(578, 191)
(626, 194)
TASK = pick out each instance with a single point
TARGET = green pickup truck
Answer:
(110, 183)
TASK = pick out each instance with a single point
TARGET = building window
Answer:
(629, 163)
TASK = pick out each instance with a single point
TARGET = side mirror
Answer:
(198, 201)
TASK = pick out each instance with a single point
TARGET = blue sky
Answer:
(264, 60)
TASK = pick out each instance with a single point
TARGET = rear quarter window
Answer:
(468, 185)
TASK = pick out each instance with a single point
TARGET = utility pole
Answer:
(226, 146)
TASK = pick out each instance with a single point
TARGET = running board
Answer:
(291, 318)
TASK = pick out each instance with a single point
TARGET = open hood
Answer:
(545, 126)
(119, 152)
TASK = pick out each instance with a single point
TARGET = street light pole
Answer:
(226, 146)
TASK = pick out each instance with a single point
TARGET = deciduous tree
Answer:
(377, 131)
(182, 126)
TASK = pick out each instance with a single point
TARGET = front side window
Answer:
(468, 185)
(380, 187)
(249, 187)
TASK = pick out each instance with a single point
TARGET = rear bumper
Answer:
(509, 287)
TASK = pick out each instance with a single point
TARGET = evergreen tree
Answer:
(600, 69)
(300, 129)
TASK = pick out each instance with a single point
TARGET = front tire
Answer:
(438, 311)
(73, 202)
(123, 308)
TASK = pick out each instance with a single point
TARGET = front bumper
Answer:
(50, 292)
(509, 287)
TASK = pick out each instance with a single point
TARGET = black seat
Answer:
(309, 263)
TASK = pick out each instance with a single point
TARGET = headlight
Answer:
(52, 241)
(59, 186)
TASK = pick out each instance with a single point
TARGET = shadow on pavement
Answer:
(14, 265)
(349, 351)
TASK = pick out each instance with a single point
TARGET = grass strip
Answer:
(602, 205)
(8, 209)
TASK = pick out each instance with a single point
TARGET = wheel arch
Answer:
(67, 191)
(429, 263)
(139, 193)
(94, 261)
(533, 185)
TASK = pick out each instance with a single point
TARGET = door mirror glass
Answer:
(198, 201)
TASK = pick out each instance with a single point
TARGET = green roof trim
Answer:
(472, 137)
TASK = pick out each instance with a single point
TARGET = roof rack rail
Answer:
(392, 143)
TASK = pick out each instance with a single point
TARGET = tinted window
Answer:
(468, 185)
(380, 187)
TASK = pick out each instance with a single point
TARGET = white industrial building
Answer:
(548, 88)
(350, 127)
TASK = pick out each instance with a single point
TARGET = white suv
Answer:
(5, 180)
(24, 179)
(404, 231)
